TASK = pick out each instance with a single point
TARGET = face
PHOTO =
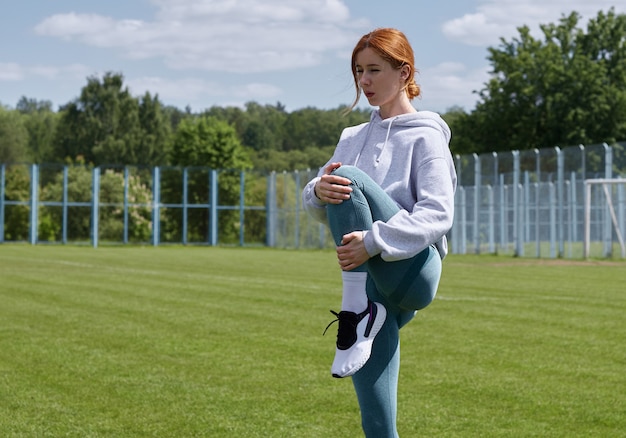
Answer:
(382, 85)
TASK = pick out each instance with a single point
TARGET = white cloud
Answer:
(256, 91)
(178, 89)
(196, 92)
(16, 72)
(11, 71)
(495, 19)
(232, 36)
(253, 10)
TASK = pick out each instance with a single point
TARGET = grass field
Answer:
(227, 342)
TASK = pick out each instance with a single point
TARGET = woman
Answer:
(387, 195)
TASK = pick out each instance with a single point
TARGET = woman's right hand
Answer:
(332, 189)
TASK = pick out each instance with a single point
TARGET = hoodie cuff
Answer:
(310, 196)
(370, 244)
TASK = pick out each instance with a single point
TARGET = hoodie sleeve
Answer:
(412, 230)
(312, 205)
(344, 153)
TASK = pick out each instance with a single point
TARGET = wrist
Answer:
(315, 192)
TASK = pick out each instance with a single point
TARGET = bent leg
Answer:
(368, 202)
(410, 284)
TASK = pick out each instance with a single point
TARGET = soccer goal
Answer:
(604, 196)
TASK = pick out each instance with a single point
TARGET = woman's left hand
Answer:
(352, 252)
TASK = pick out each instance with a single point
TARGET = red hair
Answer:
(394, 47)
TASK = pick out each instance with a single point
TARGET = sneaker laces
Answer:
(348, 322)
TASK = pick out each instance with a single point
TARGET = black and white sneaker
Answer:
(355, 337)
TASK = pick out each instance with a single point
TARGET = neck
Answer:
(396, 108)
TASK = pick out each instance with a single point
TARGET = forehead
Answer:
(368, 56)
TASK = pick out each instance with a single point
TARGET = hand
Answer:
(332, 189)
(352, 252)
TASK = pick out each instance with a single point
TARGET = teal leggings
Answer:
(403, 287)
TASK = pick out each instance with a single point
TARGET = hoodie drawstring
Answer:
(385, 143)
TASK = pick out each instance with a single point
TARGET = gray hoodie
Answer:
(409, 157)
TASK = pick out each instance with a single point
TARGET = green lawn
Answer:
(227, 342)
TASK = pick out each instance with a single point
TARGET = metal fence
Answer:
(522, 203)
(531, 203)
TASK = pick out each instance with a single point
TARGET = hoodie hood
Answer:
(419, 119)
(426, 119)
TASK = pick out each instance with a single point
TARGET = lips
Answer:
(368, 94)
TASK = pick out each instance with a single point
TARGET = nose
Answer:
(363, 79)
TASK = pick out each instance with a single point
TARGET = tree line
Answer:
(565, 87)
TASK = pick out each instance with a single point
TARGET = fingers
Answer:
(351, 253)
(333, 189)
(332, 166)
(347, 238)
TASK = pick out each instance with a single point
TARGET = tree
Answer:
(29, 105)
(13, 137)
(155, 135)
(207, 141)
(40, 122)
(17, 188)
(106, 125)
(568, 88)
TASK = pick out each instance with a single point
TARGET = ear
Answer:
(405, 72)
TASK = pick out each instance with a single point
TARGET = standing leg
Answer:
(401, 287)
(376, 384)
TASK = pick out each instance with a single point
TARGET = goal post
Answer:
(608, 189)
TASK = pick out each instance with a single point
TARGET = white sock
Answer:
(354, 298)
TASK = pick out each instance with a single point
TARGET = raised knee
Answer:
(346, 172)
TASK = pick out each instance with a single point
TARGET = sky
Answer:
(204, 53)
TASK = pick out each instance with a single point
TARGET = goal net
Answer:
(605, 211)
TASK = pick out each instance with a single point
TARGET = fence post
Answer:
(2, 179)
(517, 219)
(476, 219)
(526, 207)
(270, 211)
(213, 208)
(503, 229)
(537, 218)
(156, 202)
(587, 219)
(553, 214)
(242, 203)
(463, 220)
(492, 226)
(95, 205)
(126, 182)
(573, 229)
(606, 223)
(185, 206)
(621, 203)
(560, 198)
(537, 203)
(34, 202)
(65, 201)
(297, 209)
